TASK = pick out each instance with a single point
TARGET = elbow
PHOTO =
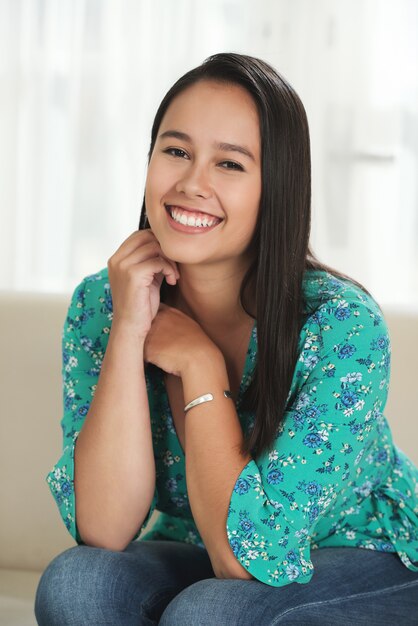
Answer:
(103, 537)
(114, 547)
(237, 571)
(232, 569)
(106, 544)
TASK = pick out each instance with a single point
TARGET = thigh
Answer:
(87, 585)
(349, 585)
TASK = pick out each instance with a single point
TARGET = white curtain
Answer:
(80, 82)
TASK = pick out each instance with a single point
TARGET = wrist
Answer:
(206, 374)
(125, 341)
(124, 330)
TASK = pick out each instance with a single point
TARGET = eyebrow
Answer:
(227, 147)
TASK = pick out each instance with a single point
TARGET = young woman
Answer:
(219, 373)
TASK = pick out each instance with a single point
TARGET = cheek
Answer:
(152, 178)
(154, 187)
(246, 211)
(247, 204)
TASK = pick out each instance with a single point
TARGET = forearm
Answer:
(114, 460)
(213, 460)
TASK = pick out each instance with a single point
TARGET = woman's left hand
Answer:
(174, 339)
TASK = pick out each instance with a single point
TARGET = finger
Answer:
(146, 251)
(159, 265)
(136, 239)
(139, 240)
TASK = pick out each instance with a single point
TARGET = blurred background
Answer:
(81, 81)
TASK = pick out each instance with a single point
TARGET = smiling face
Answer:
(207, 159)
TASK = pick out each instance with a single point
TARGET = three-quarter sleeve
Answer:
(338, 394)
(83, 345)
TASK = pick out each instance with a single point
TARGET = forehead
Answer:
(207, 109)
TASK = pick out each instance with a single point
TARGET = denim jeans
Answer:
(173, 584)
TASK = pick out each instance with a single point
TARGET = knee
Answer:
(200, 603)
(72, 589)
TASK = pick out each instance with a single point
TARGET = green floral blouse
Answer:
(333, 476)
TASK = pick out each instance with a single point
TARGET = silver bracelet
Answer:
(205, 398)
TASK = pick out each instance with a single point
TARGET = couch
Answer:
(31, 531)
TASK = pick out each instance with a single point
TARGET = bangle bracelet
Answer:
(205, 398)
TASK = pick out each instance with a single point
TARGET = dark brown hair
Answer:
(280, 244)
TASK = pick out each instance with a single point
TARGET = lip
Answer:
(189, 230)
(192, 210)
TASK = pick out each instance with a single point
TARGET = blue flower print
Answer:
(381, 343)
(246, 524)
(87, 343)
(303, 400)
(352, 377)
(318, 317)
(80, 295)
(342, 313)
(346, 351)
(235, 544)
(349, 398)
(292, 556)
(313, 488)
(385, 362)
(365, 361)
(355, 427)
(85, 316)
(313, 513)
(298, 421)
(364, 490)
(83, 410)
(68, 402)
(292, 572)
(180, 501)
(381, 456)
(242, 486)
(312, 440)
(171, 485)
(274, 477)
(108, 298)
(66, 488)
(312, 412)
(311, 361)
(271, 521)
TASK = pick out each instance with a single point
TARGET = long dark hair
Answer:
(280, 244)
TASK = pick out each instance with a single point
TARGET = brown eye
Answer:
(237, 166)
(171, 150)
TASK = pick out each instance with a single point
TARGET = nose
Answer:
(195, 182)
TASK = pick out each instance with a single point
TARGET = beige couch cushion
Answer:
(31, 530)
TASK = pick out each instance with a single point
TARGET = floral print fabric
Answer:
(333, 477)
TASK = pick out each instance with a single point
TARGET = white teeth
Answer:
(190, 220)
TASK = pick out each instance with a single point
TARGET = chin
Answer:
(176, 252)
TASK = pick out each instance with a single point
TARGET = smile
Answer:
(180, 220)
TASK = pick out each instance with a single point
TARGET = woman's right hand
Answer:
(136, 272)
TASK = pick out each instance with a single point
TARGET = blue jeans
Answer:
(173, 584)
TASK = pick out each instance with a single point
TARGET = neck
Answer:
(211, 298)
